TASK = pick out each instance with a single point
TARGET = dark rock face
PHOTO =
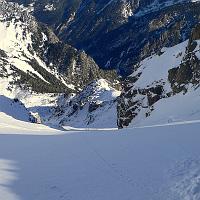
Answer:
(94, 105)
(130, 103)
(189, 69)
(195, 34)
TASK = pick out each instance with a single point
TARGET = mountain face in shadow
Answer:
(15, 109)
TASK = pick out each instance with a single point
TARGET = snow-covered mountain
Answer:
(62, 86)
(21, 46)
(32, 52)
(164, 87)
(36, 68)
(94, 107)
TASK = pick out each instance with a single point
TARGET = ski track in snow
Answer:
(151, 163)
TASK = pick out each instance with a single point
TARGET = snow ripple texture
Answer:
(186, 176)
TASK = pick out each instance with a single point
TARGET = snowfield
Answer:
(154, 163)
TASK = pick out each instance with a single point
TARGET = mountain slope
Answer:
(20, 60)
(15, 109)
(16, 118)
(164, 87)
(119, 33)
(94, 107)
(119, 42)
(32, 52)
(132, 44)
(36, 68)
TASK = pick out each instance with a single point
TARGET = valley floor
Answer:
(154, 163)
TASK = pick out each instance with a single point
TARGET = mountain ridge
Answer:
(148, 42)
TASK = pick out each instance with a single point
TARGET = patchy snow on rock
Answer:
(158, 92)
(49, 7)
(177, 108)
(94, 107)
(127, 10)
(154, 71)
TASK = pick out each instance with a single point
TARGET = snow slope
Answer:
(16, 46)
(160, 163)
(13, 126)
(158, 94)
(155, 68)
(16, 42)
(16, 118)
(14, 109)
